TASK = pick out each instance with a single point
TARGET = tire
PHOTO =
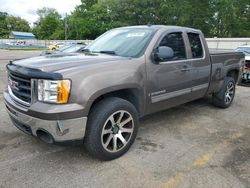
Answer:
(225, 96)
(111, 129)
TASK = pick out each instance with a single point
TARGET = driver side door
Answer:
(169, 81)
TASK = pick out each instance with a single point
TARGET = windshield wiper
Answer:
(106, 52)
(85, 50)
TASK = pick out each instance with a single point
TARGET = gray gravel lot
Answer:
(191, 146)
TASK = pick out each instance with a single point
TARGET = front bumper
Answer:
(60, 130)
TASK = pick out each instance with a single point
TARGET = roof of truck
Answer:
(157, 27)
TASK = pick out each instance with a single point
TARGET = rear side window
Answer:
(196, 45)
(176, 42)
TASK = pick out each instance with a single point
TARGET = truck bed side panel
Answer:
(222, 63)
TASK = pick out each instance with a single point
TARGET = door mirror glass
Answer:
(164, 53)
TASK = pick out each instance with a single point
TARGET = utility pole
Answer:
(65, 26)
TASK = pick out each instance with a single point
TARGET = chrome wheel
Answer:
(229, 93)
(117, 131)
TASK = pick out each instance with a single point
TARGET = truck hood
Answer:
(57, 62)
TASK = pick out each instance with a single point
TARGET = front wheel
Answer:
(225, 97)
(112, 128)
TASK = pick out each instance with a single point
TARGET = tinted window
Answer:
(196, 45)
(176, 42)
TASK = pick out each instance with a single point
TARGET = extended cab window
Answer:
(196, 45)
(176, 42)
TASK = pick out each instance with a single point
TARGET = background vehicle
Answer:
(246, 70)
(75, 48)
(123, 75)
(71, 48)
(16, 43)
(56, 46)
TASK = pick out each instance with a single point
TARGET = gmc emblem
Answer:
(13, 84)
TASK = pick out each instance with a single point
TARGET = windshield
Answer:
(122, 42)
(245, 50)
(74, 48)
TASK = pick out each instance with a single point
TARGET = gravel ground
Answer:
(191, 146)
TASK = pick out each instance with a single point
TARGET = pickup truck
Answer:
(98, 96)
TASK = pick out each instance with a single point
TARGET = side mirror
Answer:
(164, 53)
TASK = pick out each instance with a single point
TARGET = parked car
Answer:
(16, 43)
(125, 74)
(72, 48)
(246, 70)
(75, 48)
(47, 52)
(56, 46)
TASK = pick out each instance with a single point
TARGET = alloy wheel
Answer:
(229, 93)
(117, 131)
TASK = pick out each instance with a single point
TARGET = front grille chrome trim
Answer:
(20, 88)
(16, 98)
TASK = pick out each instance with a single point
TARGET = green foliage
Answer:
(231, 18)
(216, 18)
(17, 24)
(3, 25)
(49, 24)
(11, 23)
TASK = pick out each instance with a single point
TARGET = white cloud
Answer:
(27, 8)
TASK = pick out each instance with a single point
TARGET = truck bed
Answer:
(221, 51)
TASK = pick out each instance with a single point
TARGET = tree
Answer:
(231, 18)
(3, 26)
(82, 21)
(17, 24)
(49, 24)
(8, 23)
(90, 21)
(221, 18)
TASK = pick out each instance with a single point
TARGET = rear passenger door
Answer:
(200, 64)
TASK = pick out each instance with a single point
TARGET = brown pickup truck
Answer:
(98, 96)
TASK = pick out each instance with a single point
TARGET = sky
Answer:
(27, 8)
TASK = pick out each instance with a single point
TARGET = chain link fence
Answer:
(34, 44)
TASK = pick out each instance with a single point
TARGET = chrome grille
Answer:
(20, 86)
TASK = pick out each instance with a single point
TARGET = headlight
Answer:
(54, 91)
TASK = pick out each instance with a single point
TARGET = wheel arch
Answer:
(134, 95)
(234, 73)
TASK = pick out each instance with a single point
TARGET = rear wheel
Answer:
(225, 96)
(112, 128)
